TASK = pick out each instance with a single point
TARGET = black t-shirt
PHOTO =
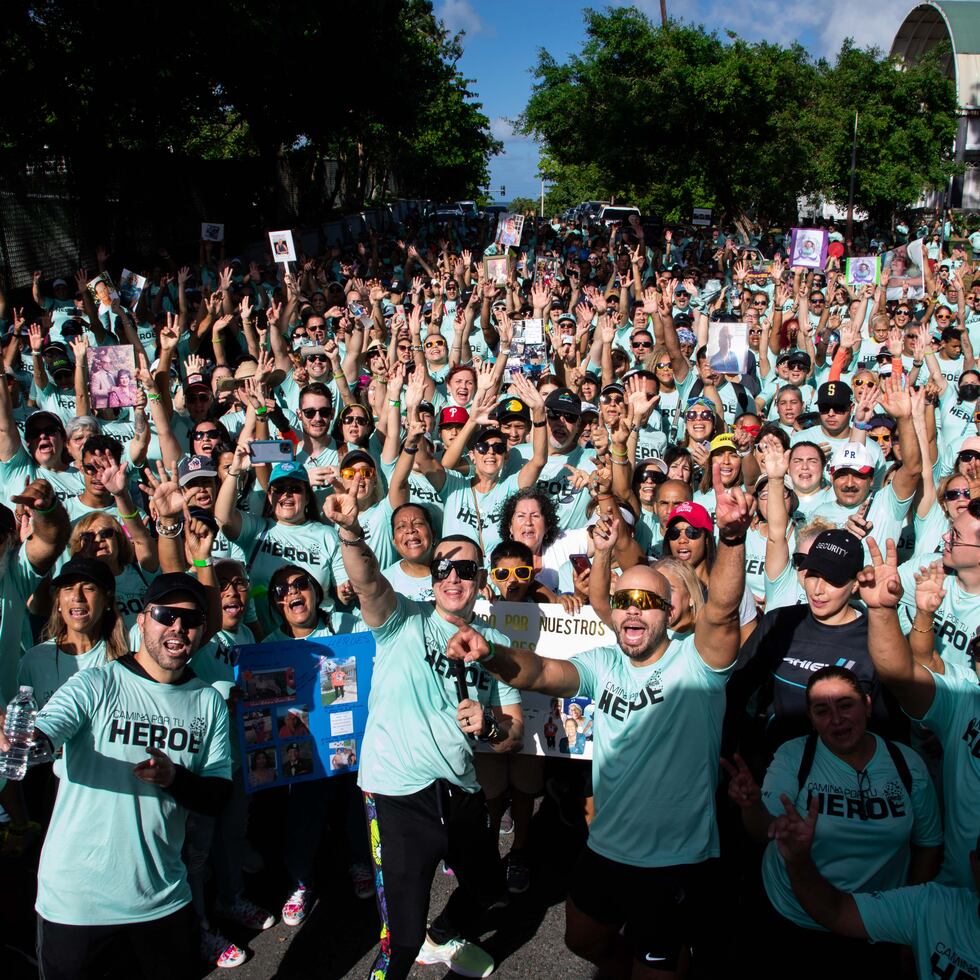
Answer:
(778, 659)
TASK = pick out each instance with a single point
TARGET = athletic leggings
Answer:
(161, 949)
(409, 836)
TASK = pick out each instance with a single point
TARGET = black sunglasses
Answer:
(465, 568)
(205, 434)
(798, 558)
(968, 456)
(565, 416)
(309, 413)
(168, 615)
(106, 533)
(486, 447)
(282, 589)
(949, 495)
(321, 358)
(691, 533)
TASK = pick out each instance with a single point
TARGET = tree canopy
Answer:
(677, 117)
(374, 86)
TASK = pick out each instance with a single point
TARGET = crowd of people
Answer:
(783, 719)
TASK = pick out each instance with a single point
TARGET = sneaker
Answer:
(294, 911)
(247, 914)
(446, 870)
(518, 875)
(219, 950)
(459, 955)
(363, 878)
(506, 824)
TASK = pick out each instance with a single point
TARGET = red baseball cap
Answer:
(454, 415)
(693, 514)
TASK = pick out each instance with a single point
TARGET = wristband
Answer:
(339, 375)
(915, 629)
(394, 404)
(492, 652)
(216, 341)
(169, 530)
(262, 410)
(37, 510)
(733, 542)
(129, 517)
(411, 450)
(539, 425)
(622, 455)
(619, 462)
(152, 397)
(202, 563)
(917, 364)
(350, 542)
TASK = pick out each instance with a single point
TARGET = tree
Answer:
(521, 205)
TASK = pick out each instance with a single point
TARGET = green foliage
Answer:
(521, 205)
(373, 85)
(675, 118)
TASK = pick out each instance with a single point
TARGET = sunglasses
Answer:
(434, 343)
(349, 472)
(522, 573)
(755, 332)
(694, 416)
(564, 416)
(190, 619)
(483, 448)
(759, 303)
(611, 399)
(797, 559)
(642, 599)
(651, 475)
(824, 408)
(884, 437)
(107, 533)
(282, 589)
(817, 302)
(319, 358)
(312, 413)
(201, 396)
(465, 568)
(691, 533)
(641, 343)
(950, 495)
(239, 584)
(861, 382)
(903, 313)
(281, 489)
(968, 456)
(90, 469)
(205, 434)
(664, 365)
(353, 419)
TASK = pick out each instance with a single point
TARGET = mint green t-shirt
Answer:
(862, 840)
(886, 513)
(556, 481)
(477, 515)
(21, 469)
(656, 737)
(412, 738)
(112, 853)
(46, 667)
(17, 581)
(939, 923)
(955, 621)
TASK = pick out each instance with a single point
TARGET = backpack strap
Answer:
(806, 760)
(901, 764)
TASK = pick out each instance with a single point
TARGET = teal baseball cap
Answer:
(292, 470)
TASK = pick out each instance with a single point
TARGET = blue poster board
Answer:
(303, 708)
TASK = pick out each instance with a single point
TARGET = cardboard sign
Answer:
(103, 289)
(509, 228)
(131, 288)
(557, 727)
(283, 249)
(808, 248)
(864, 270)
(728, 347)
(496, 268)
(112, 376)
(211, 231)
(528, 351)
(701, 217)
(304, 708)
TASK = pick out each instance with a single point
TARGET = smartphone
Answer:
(808, 420)
(270, 451)
(580, 563)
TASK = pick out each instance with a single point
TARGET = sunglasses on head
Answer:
(968, 456)
(522, 573)
(205, 434)
(282, 589)
(465, 568)
(312, 413)
(950, 495)
(642, 599)
(107, 533)
(349, 472)
(691, 533)
(168, 615)
(490, 447)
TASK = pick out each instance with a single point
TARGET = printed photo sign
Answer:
(211, 231)
(864, 270)
(112, 376)
(808, 248)
(283, 248)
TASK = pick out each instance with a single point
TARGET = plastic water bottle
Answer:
(19, 729)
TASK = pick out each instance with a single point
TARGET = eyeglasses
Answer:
(301, 583)
(465, 568)
(319, 358)
(312, 413)
(485, 448)
(694, 416)
(564, 416)
(967, 456)
(798, 558)
(349, 472)
(522, 573)
(642, 599)
(861, 382)
(354, 419)
(435, 343)
(691, 533)
(950, 495)
(956, 538)
(239, 584)
(200, 434)
(107, 533)
(168, 615)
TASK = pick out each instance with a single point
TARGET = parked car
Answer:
(468, 208)
(611, 213)
(492, 210)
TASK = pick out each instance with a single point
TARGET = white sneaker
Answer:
(460, 956)
(247, 914)
(220, 950)
(294, 911)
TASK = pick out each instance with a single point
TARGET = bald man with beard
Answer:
(659, 703)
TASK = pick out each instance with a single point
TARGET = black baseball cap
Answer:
(39, 419)
(357, 456)
(86, 570)
(564, 400)
(835, 555)
(511, 408)
(170, 583)
(837, 394)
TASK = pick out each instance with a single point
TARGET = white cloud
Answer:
(460, 15)
(820, 27)
(502, 129)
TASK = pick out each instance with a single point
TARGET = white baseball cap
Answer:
(852, 456)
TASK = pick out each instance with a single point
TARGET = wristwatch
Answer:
(491, 728)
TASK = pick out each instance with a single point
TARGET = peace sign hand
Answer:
(879, 584)
(792, 833)
(742, 788)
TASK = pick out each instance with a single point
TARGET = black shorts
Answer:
(660, 907)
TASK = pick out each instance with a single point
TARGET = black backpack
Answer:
(810, 750)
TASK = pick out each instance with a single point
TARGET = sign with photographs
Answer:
(547, 272)
(808, 248)
(557, 727)
(303, 708)
(528, 350)
(211, 231)
(283, 248)
(509, 228)
(863, 270)
(496, 268)
(112, 376)
(701, 217)
(103, 289)
(728, 347)
(131, 286)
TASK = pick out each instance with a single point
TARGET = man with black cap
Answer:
(513, 418)
(144, 742)
(54, 376)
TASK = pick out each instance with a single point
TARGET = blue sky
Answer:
(502, 39)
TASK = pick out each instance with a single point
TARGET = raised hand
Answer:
(111, 475)
(878, 583)
(742, 787)
(166, 497)
(929, 587)
(341, 507)
(895, 399)
(35, 338)
(792, 833)
(733, 509)
(774, 460)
